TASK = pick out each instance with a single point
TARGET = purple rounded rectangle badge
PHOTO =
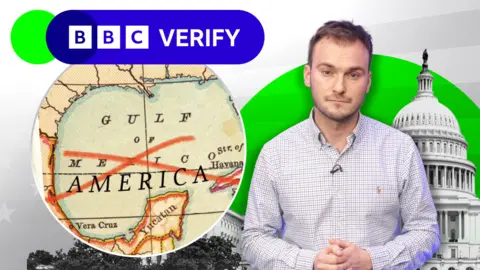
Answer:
(155, 37)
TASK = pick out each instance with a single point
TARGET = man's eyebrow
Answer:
(351, 69)
(325, 65)
(358, 68)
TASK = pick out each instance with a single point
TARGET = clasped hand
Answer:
(342, 255)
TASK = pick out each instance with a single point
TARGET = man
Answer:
(339, 185)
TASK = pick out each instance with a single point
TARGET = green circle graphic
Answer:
(28, 37)
(287, 101)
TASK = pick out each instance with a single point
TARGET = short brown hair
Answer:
(343, 31)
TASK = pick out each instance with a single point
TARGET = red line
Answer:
(127, 162)
(217, 186)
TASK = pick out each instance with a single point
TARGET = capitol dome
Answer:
(425, 114)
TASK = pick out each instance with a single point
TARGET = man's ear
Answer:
(306, 75)
(369, 81)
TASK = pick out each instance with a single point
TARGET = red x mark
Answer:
(137, 160)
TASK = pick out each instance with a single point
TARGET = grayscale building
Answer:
(443, 149)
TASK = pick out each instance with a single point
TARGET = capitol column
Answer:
(442, 217)
(451, 175)
(439, 215)
(446, 227)
(457, 181)
(461, 178)
(473, 183)
(449, 178)
(435, 178)
(444, 178)
(456, 177)
(467, 225)
(440, 223)
(453, 183)
(468, 180)
(460, 229)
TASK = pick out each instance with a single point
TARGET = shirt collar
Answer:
(354, 137)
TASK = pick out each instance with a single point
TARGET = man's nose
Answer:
(339, 86)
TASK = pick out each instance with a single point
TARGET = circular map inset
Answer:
(138, 160)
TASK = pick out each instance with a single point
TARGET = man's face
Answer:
(339, 77)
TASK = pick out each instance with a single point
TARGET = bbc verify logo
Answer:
(108, 37)
(136, 37)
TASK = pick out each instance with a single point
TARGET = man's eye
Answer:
(326, 72)
(354, 75)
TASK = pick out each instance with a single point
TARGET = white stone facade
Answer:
(436, 132)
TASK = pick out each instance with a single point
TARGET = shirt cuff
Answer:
(379, 256)
(305, 259)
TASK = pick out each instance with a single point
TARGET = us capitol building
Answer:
(451, 176)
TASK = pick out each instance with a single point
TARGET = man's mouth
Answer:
(338, 100)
